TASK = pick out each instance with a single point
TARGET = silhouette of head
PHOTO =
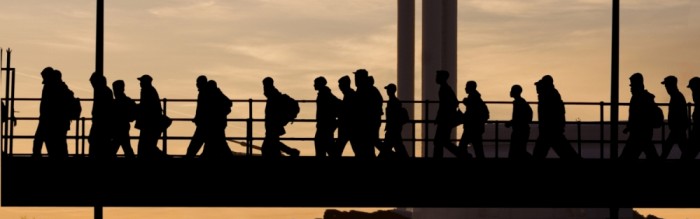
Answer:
(145, 80)
(694, 83)
(201, 82)
(361, 78)
(46, 74)
(319, 83)
(516, 91)
(671, 83)
(211, 84)
(390, 89)
(470, 87)
(441, 76)
(56, 76)
(370, 81)
(268, 86)
(344, 82)
(118, 86)
(543, 84)
(636, 82)
(98, 79)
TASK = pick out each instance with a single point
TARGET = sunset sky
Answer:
(239, 42)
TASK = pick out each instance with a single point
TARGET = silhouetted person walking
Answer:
(474, 121)
(396, 117)
(124, 114)
(369, 115)
(54, 115)
(520, 123)
(101, 131)
(552, 116)
(199, 119)
(276, 111)
(694, 85)
(218, 107)
(149, 120)
(678, 121)
(446, 119)
(346, 118)
(327, 106)
(639, 124)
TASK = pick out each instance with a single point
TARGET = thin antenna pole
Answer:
(615, 79)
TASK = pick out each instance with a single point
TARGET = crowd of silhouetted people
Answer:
(357, 117)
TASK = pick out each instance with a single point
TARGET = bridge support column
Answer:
(98, 212)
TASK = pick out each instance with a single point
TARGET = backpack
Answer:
(290, 109)
(403, 116)
(74, 109)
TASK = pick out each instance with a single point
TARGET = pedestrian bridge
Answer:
(349, 182)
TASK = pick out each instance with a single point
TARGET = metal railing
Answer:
(494, 139)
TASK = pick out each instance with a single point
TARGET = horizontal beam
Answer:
(349, 182)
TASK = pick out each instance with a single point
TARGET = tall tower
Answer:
(439, 53)
(405, 63)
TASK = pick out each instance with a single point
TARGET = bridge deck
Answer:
(348, 182)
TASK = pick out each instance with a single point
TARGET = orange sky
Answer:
(239, 42)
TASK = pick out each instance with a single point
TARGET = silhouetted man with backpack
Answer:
(520, 123)
(101, 131)
(368, 108)
(640, 124)
(327, 106)
(56, 110)
(552, 115)
(678, 121)
(474, 121)
(124, 114)
(396, 117)
(218, 107)
(277, 114)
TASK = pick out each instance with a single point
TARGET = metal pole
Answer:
(165, 131)
(99, 38)
(11, 107)
(249, 129)
(82, 136)
(615, 79)
(98, 212)
(426, 118)
(602, 130)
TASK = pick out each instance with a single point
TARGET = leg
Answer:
(196, 142)
(343, 138)
(39, 138)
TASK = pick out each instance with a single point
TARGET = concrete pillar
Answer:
(439, 53)
(406, 64)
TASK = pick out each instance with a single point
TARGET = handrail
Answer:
(250, 120)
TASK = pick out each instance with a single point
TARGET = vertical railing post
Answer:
(249, 129)
(496, 139)
(7, 104)
(77, 134)
(82, 136)
(413, 127)
(11, 107)
(165, 131)
(602, 130)
(578, 134)
(426, 123)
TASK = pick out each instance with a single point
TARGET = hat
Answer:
(146, 78)
(694, 82)
(547, 79)
(361, 72)
(390, 87)
(670, 80)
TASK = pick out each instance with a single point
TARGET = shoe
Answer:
(294, 152)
